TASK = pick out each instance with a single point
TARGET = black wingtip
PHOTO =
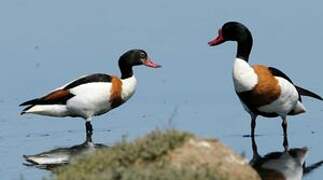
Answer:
(30, 102)
(25, 156)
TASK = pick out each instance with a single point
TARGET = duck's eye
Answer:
(142, 55)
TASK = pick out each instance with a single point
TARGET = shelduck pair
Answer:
(94, 94)
(262, 90)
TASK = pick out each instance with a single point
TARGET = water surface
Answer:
(44, 44)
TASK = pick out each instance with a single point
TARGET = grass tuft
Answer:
(160, 155)
(127, 160)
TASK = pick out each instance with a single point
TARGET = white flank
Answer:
(90, 99)
(128, 87)
(287, 100)
(244, 77)
(49, 110)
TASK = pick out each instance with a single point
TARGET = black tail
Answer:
(26, 109)
(305, 92)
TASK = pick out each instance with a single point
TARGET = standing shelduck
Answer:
(262, 90)
(92, 95)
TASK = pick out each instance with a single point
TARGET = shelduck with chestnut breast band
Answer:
(262, 90)
(92, 95)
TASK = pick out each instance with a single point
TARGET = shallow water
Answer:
(34, 134)
(41, 49)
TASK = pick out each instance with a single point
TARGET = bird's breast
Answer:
(128, 87)
(244, 77)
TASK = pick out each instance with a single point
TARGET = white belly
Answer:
(90, 99)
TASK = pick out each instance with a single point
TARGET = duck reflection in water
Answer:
(285, 165)
(62, 156)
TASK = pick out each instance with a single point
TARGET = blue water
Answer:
(44, 44)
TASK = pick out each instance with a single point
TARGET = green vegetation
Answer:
(146, 158)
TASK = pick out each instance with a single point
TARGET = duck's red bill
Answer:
(150, 63)
(218, 40)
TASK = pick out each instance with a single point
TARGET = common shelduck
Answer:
(94, 94)
(262, 90)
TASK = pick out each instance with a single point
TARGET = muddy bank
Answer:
(161, 155)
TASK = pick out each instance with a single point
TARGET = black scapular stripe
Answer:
(99, 77)
(300, 90)
(279, 73)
